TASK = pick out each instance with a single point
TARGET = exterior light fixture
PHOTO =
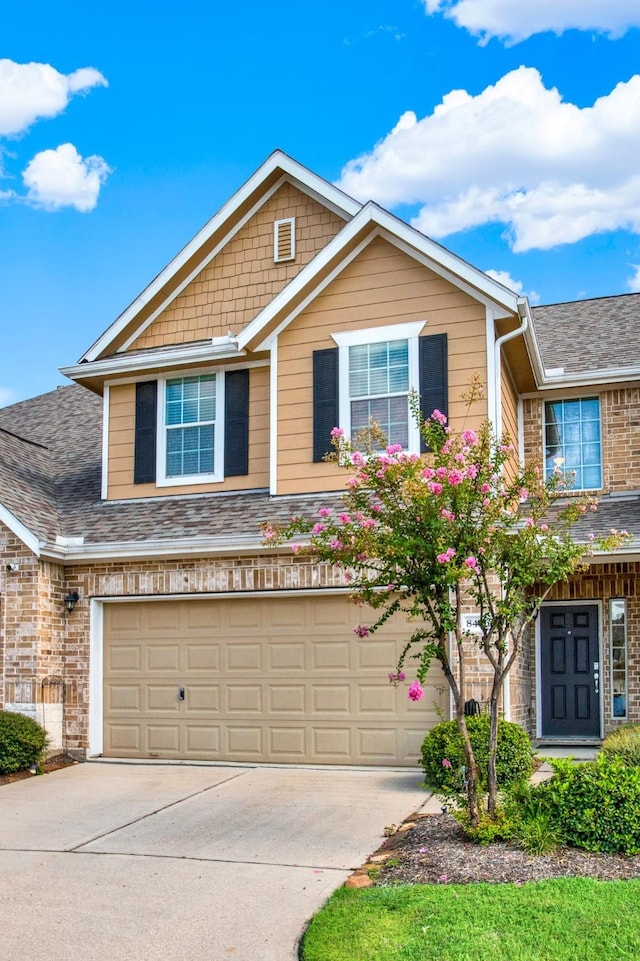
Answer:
(71, 600)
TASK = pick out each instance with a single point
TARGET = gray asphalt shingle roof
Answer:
(590, 335)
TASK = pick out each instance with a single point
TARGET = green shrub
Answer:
(624, 743)
(22, 742)
(514, 759)
(594, 805)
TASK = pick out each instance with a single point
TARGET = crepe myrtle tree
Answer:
(429, 536)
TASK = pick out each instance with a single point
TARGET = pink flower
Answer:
(376, 507)
(361, 630)
(455, 477)
(318, 528)
(337, 432)
(486, 502)
(428, 473)
(472, 471)
(345, 518)
(448, 515)
(435, 487)
(471, 562)
(446, 762)
(439, 417)
(523, 493)
(485, 488)
(529, 522)
(396, 678)
(357, 459)
(460, 458)
(416, 691)
(441, 473)
(544, 527)
(296, 547)
(394, 449)
(324, 512)
(448, 555)
(470, 437)
(269, 533)
(443, 878)
(335, 544)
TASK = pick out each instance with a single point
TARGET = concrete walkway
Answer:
(123, 862)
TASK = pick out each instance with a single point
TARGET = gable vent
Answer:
(284, 240)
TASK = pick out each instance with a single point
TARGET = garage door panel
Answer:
(286, 698)
(244, 699)
(203, 697)
(163, 657)
(279, 678)
(286, 656)
(244, 741)
(330, 655)
(244, 657)
(331, 699)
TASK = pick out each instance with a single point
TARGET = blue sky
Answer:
(508, 131)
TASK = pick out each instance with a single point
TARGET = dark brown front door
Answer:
(570, 671)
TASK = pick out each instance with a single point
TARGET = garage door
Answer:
(280, 679)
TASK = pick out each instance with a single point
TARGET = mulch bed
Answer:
(51, 764)
(434, 851)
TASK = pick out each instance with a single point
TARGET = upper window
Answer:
(573, 441)
(378, 368)
(190, 430)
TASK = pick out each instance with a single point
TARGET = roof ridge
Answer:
(25, 440)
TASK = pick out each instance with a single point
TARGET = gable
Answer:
(243, 277)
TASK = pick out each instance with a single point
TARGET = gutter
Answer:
(524, 314)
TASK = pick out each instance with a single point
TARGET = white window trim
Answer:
(581, 396)
(377, 335)
(276, 235)
(161, 434)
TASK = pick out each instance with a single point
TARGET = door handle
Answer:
(596, 681)
(180, 694)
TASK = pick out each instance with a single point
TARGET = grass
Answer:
(557, 920)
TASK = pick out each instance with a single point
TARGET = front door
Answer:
(570, 671)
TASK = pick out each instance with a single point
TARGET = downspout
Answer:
(523, 313)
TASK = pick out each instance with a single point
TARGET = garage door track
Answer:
(142, 862)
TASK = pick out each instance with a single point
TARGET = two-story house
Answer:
(141, 614)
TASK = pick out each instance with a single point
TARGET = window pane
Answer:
(590, 409)
(190, 449)
(379, 382)
(377, 371)
(591, 478)
(572, 440)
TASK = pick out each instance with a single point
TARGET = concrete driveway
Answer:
(138, 862)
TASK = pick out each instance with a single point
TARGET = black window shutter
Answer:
(325, 400)
(433, 377)
(236, 423)
(144, 461)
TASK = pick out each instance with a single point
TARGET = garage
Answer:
(279, 678)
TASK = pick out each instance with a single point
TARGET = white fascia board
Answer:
(27, 537)
(115, 366)
(612, 375)
(326, 192)
(156, 548)
(473, 281)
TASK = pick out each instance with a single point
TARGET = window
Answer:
(378, 368)
(618, 651)
(573, 441)
(190, 433)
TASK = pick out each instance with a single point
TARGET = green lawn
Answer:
(570, 919)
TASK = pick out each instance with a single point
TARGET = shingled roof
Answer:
(590, 335)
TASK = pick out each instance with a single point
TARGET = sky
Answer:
(508, 131)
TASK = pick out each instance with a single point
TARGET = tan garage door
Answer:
(258, 679)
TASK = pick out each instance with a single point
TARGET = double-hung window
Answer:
(573, 441)
(378, 369)
(190, 429)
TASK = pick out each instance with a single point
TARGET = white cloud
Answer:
(62, 178)
(516, 154)
(515, 20)
(504, 277)
(6, 396)
(634, 282)
(30, 91)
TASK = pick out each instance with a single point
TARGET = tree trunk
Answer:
(473, 795)
(492, 776)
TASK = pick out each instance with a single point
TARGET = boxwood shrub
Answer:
(514, 758)
(595, 805)
(624, 743)
(22, 742)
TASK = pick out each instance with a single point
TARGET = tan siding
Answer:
(377, 303)
(509, 402)
(121, 445)
(243, 278)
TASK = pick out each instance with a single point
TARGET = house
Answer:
(141, 614)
